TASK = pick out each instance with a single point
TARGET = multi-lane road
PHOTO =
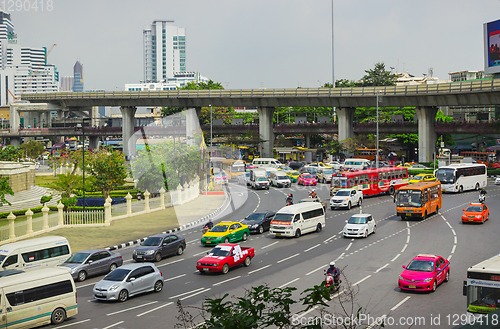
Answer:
(370, 265)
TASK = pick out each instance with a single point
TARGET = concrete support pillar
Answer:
(266, 131)
(14, 118)
(12, 233)
(308, 140)
(15, 141)
(427, 137)
(192, 126)
(128, 123)
(346, 116)
(93, 142)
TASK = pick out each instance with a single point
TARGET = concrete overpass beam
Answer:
(266, 131)
(346, 116)
(427, 137)
(192, 126)
(308, 140)
(128, 113)
(93, 142)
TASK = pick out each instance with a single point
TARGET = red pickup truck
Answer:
(224, 256)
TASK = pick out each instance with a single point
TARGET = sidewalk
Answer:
(138, 227)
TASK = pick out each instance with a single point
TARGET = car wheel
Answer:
(225, 269)
(180, 250)
(245, 235)
(58, 316)
(477, 187)
(460, 189)
(123, 295)
(360, 201)
(297, 234)
(366, 234)
(437, 209)
(319, 228)
(112, 267)
(425, 215)
(434, 286)
(158, 286)
(82, 276)
(349, 205)
(332, 208)
(447, 278)
(261, 229)
(392, 190)
(158, 257)
(374, 229)
(247, 262)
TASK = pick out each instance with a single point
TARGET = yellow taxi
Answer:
(407, 164)
(225, 232)
(422, 178)
(293, 175)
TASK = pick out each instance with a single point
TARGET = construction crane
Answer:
(33, 75)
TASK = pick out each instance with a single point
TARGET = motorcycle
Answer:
(482, 198)
(206, 228)
(288, 203)
(332, 283)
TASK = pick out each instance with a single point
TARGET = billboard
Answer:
(492, 47)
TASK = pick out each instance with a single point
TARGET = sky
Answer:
(260, 44)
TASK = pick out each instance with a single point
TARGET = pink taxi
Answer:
(307, 179)
(424, 273)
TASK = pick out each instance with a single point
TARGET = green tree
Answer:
(67, 183)
(10, 153)
(31, 149)
(202, 85)
(343, 83)
(107, 169)
(5, 189)
(378, 76)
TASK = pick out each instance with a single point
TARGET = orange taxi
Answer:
(475, 213)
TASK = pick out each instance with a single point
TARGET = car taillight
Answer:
(120, 256)
(76, 297)
(161, 273)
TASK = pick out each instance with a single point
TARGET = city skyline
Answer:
(279, 44)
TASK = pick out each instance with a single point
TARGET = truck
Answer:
(346, 198)
(258, 179)
(225, 256)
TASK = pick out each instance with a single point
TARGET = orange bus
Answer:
(236, 169)
(418, 200)
(486, 158)
(368, 154)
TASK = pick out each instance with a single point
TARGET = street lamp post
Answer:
(376, 159)
(82, 125)
(105, 134)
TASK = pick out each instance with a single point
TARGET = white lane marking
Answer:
(341, 255)
(407, 224)
(196, 293)
(269, 245)
(365, 278)
(330, 238)
(404, 248)
(192, 241)
(408, 239)
(454, 233)
(319, 268)
(377, 321)
(128, 260)
(449, 257)
(236, 277)
(111, 326)
(308, 311)
(203, 252)
(453, 249)
(72, 324)
(455, 239)
(400, 303)
(132, 308)
(312, 247)
(349, 246)
(85, 285)
(175, 261)
(395, 257)
(154, 309)
(186, 293)
(259, 269)
(91, 300)
(289, 282)
(284, 259)
(447, 222)
(381, 268)
(175, 277)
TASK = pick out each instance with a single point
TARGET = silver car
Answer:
(92, 262)
(244, 178)
(129, 280)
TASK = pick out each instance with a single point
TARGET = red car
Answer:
(307, 179)
(475, 213)
(424, 273)
(224, 256)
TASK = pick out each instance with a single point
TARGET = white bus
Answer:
(37, 298)
(482, 287)
(34, 254)
(461, 177)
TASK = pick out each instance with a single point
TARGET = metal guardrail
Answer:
(443, 88)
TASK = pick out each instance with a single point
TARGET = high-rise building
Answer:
(164, 51)
(67, 83)
(78, 77)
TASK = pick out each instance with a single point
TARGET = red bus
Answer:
(371, 181)
(486, 158)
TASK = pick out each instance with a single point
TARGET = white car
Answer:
(359, 225)
(336, 165)
(346, 198)
(497, 181)
(244, 178)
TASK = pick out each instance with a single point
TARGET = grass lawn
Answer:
(44, 180)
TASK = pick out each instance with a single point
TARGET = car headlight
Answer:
(428, 280)
(401, 278)
(134, 252)
(114, 287)
(150, 252)
(478, 216)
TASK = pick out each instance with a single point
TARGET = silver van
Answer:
(279, 179)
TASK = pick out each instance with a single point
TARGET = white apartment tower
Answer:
(164, 51)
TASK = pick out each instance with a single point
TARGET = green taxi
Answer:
(224, 232)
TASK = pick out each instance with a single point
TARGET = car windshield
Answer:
(117, 275)
(219, 228)
(281, 177)
(286, 168)
(343, 193)
(79, 258)
(255, 216)
(261, 179)
(307, 176)
(446, 176)
(217, 174)
(219, 252)
(419, 177)
(409, 198)
(237, 168)
(152, 241)
(283, 217)
(312, 170)
(473, 209)
(421, 265)
(2, 257)
(357, 220)
(294, 173)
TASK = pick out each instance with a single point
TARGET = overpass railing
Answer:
(454, 87)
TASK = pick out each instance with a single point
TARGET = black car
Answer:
(296, 165)
(258, 222)
(158, 246)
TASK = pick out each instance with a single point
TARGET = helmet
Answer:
(332, 263)
(314, 190)
(289, 195)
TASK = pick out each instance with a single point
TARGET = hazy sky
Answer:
(255, 44)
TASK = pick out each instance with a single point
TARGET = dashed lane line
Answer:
(154, 309)
(312, 247)
(132, 308)
(365, 278)
(72, 324)
(400, 303)
(288, 283)
(218, 283)
(270, 245)
(175, 261)
(285, 259)
(186, 293)
(196, 293)
(113, 325)
(175, 277)
(259, 269)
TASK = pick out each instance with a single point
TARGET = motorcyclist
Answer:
(313, 194)
(208, 226)
(483, 192)
(334, 272)
(289, 199)
(482, 195)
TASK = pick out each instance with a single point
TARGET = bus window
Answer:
(356, 180)
(351, 182)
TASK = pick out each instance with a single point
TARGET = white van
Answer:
(279, 178)
(34, 254)
(266, 162)
(298, 219)
(357, 164)
(37, 298)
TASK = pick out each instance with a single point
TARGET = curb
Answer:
(177, 229)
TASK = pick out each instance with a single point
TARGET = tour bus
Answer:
(34, 254)
(37, 298)
(371, 181)
(357, 164)
(266, 162)
(482, 287)
(459, 177)
(418, 200)
(368, 154)
(298, 219)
